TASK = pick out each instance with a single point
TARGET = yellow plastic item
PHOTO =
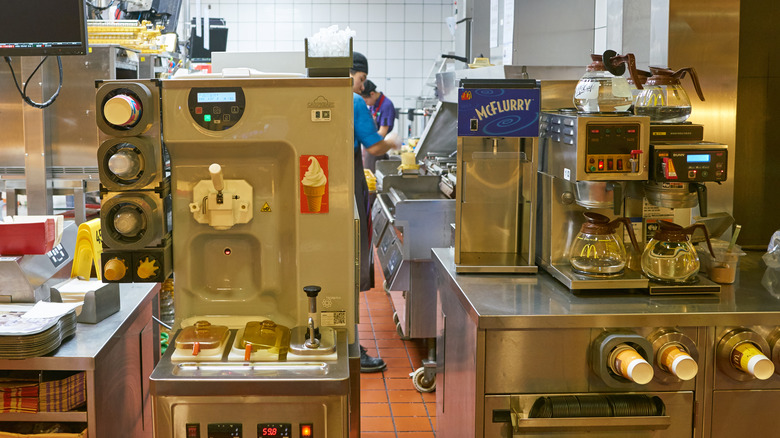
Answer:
(147, 268)
(88, 250)
(480, 62)
(370, 179)
(115, 269)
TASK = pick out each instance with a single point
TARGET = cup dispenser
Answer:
(134, 168)
(495, 210)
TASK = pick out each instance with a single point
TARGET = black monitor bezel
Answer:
(55, 51)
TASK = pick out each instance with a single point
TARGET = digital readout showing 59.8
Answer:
(274, 430)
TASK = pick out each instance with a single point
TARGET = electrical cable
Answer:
(100, 8)
(23, 92)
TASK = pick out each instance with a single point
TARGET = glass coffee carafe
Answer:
(598, 250)
(670, 257)
(663, 98)
(603, 88)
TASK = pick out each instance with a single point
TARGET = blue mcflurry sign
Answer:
(498, 112)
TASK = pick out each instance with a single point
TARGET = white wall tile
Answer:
(376, 32)
(339, 12)
(394, 68)
(266, 32)
(247, 46)
(375, 50)
(284, 12)
(432, 13)
(413, 13)
(413, 49)
(302, 13)
(358, 12)
(361, 30)
(247, 13)
(229, 13)
(414, 68)
(432, 31)
(395, 31)
(413, 31)
(401, 38)
(320, 13)
(395, 50)
(283, 31)
(247, 32)
(394, 14)
(265, 13)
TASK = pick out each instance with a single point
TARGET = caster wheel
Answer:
(400, 332)
(395, 317)
(420, 383)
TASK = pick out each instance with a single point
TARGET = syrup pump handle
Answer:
(617, 197)
(627, 222)
(679, 74)
(693, 228)
(615, 64)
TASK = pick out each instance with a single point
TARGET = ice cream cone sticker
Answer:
(314, 184)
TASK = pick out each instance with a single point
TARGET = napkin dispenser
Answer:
(101, 300)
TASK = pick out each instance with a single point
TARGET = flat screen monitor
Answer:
(217, 40)
(42, 27)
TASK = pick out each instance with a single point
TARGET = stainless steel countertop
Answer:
(80, 351)
(499, 301)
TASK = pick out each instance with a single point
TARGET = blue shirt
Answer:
(365, 130)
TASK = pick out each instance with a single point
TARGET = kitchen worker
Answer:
(366, 136)
(383, 112)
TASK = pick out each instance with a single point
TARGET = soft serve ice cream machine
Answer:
(262, 238)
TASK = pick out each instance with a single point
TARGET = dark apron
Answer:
(361, 198)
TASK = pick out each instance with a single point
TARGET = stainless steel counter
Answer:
(117, 355)
(506, 341)
(534, 301)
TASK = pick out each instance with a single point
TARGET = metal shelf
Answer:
(66, 417)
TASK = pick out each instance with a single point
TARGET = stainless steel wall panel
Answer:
(11, 124)
(705, 34)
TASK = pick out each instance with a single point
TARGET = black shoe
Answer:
(370, 364)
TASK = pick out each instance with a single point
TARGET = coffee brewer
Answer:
(588, 162)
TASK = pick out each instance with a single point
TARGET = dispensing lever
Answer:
(701, 194)
(215, 170)
(312, 292)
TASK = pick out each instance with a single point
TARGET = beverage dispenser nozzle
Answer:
(312, 292)
(634, 160)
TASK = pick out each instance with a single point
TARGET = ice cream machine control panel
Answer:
(689, 163)
(612, 147)
(216, 108)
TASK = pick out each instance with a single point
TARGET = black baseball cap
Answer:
(368, 88)
(359, 62)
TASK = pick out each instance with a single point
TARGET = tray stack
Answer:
(22, 338)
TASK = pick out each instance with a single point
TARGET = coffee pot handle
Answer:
(693, 228)
(679, 74)
(627, 222)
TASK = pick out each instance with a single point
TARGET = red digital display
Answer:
(279, 430)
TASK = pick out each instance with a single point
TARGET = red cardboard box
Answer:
(27, 238)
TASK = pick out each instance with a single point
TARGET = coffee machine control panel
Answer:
(216, 108)
(612, 147)
(702, 162)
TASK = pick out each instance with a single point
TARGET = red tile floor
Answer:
(390, 407)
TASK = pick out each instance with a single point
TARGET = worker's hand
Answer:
(394, 139)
